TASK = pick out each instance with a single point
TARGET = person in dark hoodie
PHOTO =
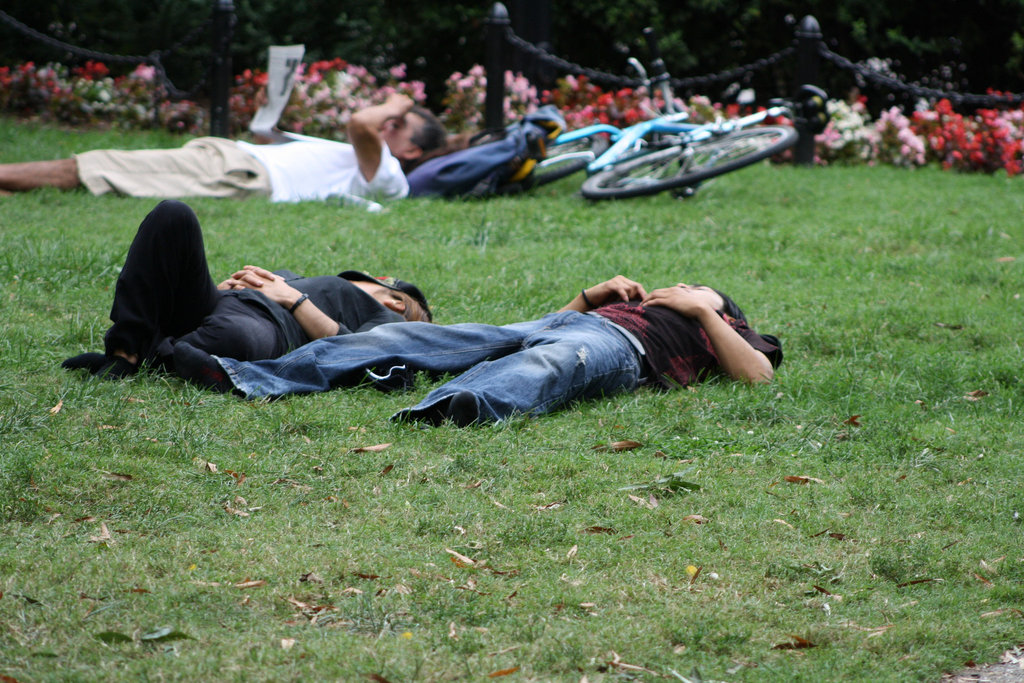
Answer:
(164, 295)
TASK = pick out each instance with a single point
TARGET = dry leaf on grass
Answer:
(801, 479)
(460, 559)
(235, 511)
(695, 519)
(103, 536)
(626, 445)
(370, 449)
(619, 664)
(797, 643)
(503, 672)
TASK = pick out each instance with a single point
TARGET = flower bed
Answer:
(327, 92)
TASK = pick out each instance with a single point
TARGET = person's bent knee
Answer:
(175, 209)
(173, 215)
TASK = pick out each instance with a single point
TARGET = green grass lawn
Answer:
(859, 518)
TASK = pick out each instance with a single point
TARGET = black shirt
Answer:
(352, 308)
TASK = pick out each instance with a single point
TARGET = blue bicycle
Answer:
(666, 152)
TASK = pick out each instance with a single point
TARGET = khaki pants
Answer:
(203, 167)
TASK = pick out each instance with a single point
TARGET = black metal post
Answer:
(220, 67)
(808, 60)
(494, 66)
(531, 20)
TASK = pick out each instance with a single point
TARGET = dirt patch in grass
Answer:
(1010, 669)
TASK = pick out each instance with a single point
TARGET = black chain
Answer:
(616, 81)
(734, 74)
(153, 58)
(594, 75)
(967, 100)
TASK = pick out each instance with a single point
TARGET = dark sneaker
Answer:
(201, 368)
(115, 367)
(85, 361)
(463, 409)
(397, 378)
(100, 365)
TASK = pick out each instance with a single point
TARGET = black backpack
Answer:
(495, 163)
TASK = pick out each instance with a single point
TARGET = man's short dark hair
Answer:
(430, 135)
(729, 307)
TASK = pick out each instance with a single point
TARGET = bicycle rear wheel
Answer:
(681, 166)
(571, 157)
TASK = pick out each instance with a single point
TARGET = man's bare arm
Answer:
(364, 131)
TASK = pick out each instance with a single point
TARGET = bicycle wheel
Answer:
(568, 158)
(681, 166)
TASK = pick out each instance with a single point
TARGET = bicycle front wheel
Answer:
(681, 166)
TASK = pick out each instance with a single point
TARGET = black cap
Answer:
(392, 283)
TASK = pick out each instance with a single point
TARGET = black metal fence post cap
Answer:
(499, 12)
(809, 28)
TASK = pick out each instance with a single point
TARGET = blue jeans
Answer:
(522, 368)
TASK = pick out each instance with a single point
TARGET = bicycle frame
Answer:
(631, 140)
(669, 129)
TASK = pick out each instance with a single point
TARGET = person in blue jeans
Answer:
(611, 338)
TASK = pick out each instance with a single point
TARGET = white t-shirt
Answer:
(309, 168)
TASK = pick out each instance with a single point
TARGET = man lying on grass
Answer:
(610, 339)
(165, 296)
(387, 141)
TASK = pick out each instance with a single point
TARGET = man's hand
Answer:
(254, 277)
(619, 288)
(249, 277)
(693, 302)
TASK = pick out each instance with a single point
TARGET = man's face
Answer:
(385, 296)
(398, 133)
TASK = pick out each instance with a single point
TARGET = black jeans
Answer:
(165, 294)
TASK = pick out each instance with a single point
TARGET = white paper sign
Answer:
(283, 62)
